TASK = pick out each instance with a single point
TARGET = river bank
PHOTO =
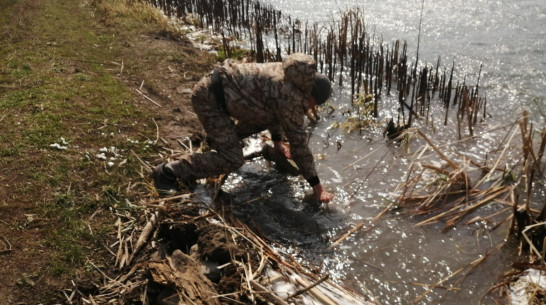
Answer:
(91, 101)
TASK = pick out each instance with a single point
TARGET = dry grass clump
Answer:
(132, 13)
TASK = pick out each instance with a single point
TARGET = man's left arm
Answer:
(293, 126)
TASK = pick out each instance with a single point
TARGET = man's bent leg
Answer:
(227, 154)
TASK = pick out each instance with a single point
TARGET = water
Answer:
(391, 258)
(507, 37)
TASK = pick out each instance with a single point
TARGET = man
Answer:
(241, 99)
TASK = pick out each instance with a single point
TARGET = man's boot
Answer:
(165, 180)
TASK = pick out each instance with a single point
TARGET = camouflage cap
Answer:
(299, 69)
(322, 88)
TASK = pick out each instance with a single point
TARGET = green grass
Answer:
(60, 79)
(236, 53)
(57, 81)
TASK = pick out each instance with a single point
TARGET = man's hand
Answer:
(321, 194)
(282, 149)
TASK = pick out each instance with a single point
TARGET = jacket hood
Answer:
(299, 69)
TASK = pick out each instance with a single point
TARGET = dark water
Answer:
(392, 258)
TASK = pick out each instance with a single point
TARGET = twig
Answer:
(488, 218)
(364, 157)
(146, 97)
(438, 287)
(104, 274)
(139, 159)
(494, 194)
(442, 156)
(108, 249)
(262, 265)
(146, 233)
(69, 298)
(6, 114)
(438, 284)
(351, 231)
(182, 196)
(156, 131)
(481, 259)
(358, 226)
(486, 177)
(304, 290)
(321, 297)
(268, 294)
(9, 249)
(527, 228)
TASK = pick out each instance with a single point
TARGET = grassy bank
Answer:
(75, 134)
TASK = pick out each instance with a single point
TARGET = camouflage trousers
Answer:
(223, 136)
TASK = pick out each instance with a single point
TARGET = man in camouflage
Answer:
(251, 98)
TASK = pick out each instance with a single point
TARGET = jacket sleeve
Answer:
(292, 118)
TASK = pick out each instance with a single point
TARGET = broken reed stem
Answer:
(271, 254)
(488, 218)
(324, 299)
(439, 283)
(358, 226)
(408, 175)
(364, 157)
(367, 176)
(442, 156)
(349, 233)
(182, 196)
(436, 218)
(495, 193)
(304, 290)
(146, 165)
(144, 236)
(486, 177)
(475, 263)
(531, 245)
(267, 293)
(442, 189)
(470, 267)
(257, 242)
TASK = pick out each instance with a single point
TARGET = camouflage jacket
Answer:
(273, 96)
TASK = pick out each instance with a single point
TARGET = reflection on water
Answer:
(391, 257)
(507, 37)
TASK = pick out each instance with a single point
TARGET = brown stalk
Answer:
(494, 194)
(304, 290)
(349, 233)
(144, 236)
(439, 283)
(442, 156)
(8, 246)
